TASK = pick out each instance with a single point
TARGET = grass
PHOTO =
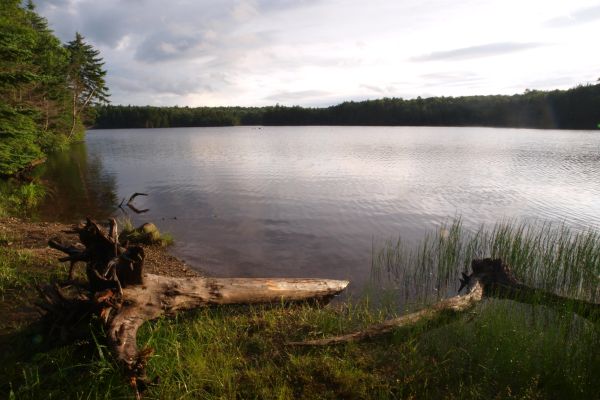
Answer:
(241, 353)
(20, 199)
(551, 257)
(150, 235)
(501, 350)
(10, 274)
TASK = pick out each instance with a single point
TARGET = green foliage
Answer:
(577, 108)
(165, 117)
(10, 263)
(85, 77)
(146, 233)
(35, 107)
(18, 199)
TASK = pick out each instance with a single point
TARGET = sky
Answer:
(323, 52)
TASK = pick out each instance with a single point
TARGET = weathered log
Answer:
(491, 278)
(124, 297)
(160, 295)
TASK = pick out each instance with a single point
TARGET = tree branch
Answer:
(489, 279)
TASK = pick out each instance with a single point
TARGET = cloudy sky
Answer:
(322, 52)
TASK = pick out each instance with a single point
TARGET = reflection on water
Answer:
(311, 201)
(78, 186)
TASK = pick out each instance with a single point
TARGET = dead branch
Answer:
(455, 304)
(130, 205)
(134, 208)
(490, 278)
(136, 194)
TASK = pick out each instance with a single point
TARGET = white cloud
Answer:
(318, 52)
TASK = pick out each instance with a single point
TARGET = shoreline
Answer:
(33, 236)
(27, 241)
(514, 350)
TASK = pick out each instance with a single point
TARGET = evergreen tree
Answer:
(39, 78)
(85, 77)
(18, 75)
(50, 94)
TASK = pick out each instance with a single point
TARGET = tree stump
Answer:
(125, 297)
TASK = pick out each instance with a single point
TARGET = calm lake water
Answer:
(311, 201)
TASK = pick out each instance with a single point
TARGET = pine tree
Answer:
(85, 78)
(50, 95)
(18, 74)
(45, 87)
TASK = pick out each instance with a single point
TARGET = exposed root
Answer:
(124, 297)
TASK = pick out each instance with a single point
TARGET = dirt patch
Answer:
(30, 239)
(34, 237)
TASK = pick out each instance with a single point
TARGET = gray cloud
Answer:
(256, 52)
(564, 81)
(451, 78)
(387, 90)
(486, 50)
(159, 81)
(580, 16)
(282, 5)
(56, 3)
(164, 45)
(298, 96)
(104, 26)
(373, 88)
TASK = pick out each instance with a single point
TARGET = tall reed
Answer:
(544, 255)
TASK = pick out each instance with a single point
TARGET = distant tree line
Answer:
(47, 89)
(577, 108)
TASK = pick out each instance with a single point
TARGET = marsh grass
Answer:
(502, 349)
(547, 256)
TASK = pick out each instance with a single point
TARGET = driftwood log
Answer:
(125, 297)
(491, 278)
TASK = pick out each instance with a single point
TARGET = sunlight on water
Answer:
(311, 201)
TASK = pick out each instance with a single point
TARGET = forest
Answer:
(47, 88)
(576, 108)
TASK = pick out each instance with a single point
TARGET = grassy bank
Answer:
(501, 350)
(18, 198)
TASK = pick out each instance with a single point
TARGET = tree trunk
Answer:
(74, 113)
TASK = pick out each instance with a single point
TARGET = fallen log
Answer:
(125, 297)
(491, 278)
(161, 295)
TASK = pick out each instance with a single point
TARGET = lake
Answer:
(316, 201)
